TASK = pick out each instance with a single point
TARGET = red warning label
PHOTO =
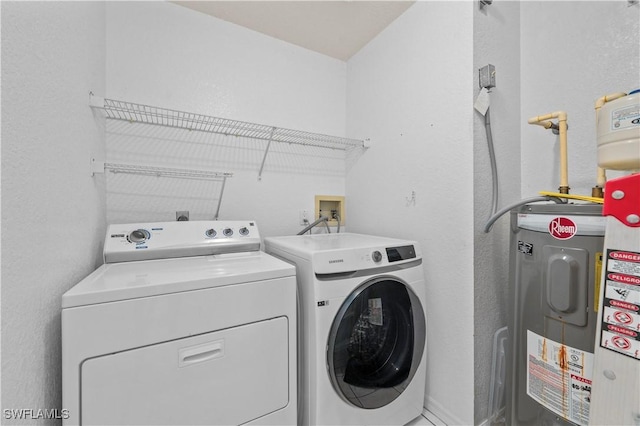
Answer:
(621, 313)
(625, 256)
(623, 317)
(622, 344)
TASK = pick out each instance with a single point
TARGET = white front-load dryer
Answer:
(186, 323)
(362, 327)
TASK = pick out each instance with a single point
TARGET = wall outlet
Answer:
(304, 217)
(182, 215)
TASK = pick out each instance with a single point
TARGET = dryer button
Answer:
(376, 256)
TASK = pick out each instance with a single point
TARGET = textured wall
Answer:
(52, 209)
(572, 54)
(411, 90)
(496, 41)
(209, 66)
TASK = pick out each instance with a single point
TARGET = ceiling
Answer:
(334, 28)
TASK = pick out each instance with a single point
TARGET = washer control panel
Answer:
(162, 240)
(358, 259)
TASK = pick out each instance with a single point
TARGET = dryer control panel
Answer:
(164, 240)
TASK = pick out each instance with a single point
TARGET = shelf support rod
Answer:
(224, 181)
(266, 151)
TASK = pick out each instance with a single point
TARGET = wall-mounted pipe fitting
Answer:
(597, 191)
(561, 126)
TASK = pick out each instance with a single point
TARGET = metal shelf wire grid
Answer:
(166, 172)
(174, 173)
(132, 112)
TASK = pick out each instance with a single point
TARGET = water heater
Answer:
(618, 133)
(555, 261)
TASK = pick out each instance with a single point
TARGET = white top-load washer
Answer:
(186, 323)
(362, 327)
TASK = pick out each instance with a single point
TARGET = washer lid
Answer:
(130, 280)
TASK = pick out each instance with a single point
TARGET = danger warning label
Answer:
(621, 314)
(559, 377)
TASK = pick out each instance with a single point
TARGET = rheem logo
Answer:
(562, 228)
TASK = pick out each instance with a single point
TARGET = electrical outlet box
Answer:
(487, 76)
(331, 206)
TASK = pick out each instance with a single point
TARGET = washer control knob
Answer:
(210, 233)
(377, 256)
(139, 236)
(244, 231)
(227, 232)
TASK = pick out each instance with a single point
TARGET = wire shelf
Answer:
(173, 173)
(166, 172)
(139, 113)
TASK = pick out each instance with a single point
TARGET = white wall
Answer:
(411, 91)
(208, 66)
(496, 41)
(52, 209)
(572, 54)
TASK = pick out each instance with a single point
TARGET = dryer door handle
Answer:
(200, 353)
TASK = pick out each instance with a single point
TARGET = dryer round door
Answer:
(376, 343)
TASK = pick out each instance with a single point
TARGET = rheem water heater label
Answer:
(559, 378)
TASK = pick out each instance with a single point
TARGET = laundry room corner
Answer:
(497, 167)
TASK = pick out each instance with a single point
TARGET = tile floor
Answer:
(426, 419)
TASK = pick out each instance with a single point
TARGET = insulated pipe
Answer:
(506, 209)
(543, 120)
(492, 159)
(596, 191)
(607, 98)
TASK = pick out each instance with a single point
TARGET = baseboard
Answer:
(443, 416)
(435, 420)
(499, 417)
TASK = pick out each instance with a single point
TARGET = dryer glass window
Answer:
(376, 343)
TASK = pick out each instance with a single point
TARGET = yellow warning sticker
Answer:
(598, 278)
